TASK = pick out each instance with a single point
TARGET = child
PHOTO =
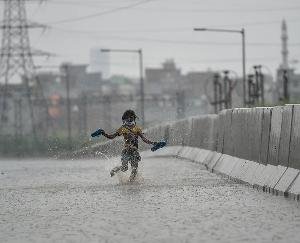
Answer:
(130, 132)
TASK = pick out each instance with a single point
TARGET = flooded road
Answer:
(171, 201)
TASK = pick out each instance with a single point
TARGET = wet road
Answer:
(172, 201)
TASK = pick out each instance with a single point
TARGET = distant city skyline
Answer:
(99, 62)
(164, 29)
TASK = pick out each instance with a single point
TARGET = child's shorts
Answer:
(131, 156)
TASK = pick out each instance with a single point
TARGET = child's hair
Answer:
(129, 114)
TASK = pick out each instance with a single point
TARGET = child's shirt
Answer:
(130, 135)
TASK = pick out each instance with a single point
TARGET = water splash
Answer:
(123, 178)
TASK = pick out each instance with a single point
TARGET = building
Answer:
(17, 119)
(165, 80)
(99, 62)
(51, 83)
(80, 80)
(288, 82)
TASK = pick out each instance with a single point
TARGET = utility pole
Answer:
(218, 89)
(256, 92)
(85, 115)
(142, 89)
(227, 90)
(286, 96)
(216, 94)
(82, 114)
(180, 100)
(244, 65)
(251, 90)
(259, 84)
(107, 113)
(68, 104)
(18, 118)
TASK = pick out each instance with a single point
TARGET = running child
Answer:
(130, 132)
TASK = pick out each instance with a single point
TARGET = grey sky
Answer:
(163, 28)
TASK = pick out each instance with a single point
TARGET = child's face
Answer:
(129, 121)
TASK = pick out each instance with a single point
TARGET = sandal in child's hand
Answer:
(97, 133)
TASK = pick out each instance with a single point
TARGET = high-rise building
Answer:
(99, 62)
(284, 48)
(288, 82)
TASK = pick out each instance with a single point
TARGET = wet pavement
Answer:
(171, 201)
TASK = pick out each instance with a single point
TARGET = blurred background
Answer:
(68, 67)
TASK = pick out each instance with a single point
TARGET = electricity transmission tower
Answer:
(16, 63)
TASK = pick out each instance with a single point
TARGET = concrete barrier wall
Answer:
(264, 135)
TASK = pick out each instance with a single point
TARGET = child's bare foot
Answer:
(133, 175)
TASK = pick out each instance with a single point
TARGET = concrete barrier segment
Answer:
(286, 180)
(240, 133)
(221, 130)
(228, 141)
(272, 176)
(276, 122)
(259, 176)
(225, 164)
(252, 169)
(185, 152)
(294, 190)
(255, 133)
(179, 132)
(265, 135)
(294, 157)
(236, 132)
(239, 169)
(212, 160)
(202, 134)
(194, 154)
(285, 135)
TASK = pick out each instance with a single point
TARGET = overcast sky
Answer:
(164, 29)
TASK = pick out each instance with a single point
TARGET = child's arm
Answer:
(145, 139)
(110, 136)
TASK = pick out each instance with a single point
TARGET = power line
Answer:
(70, 20)
(240, 10)
(183, 42)
(178, 29)
(213, 10)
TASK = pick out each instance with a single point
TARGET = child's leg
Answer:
(124, 166)
(115, 170)
(134, 164)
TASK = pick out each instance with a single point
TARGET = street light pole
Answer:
(142, 88)
(244, 65)
(68, 103)
(141, 68)
(243, 33)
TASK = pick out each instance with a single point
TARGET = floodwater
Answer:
(172, 201)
